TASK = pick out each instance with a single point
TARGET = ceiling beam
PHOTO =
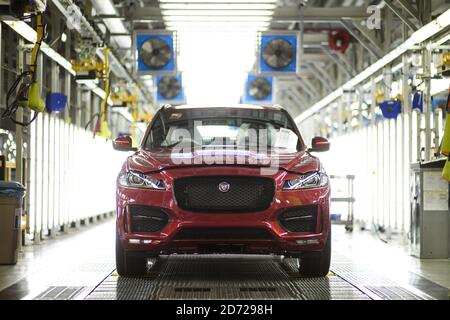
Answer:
(399, 13)
(428, 31)
(351, 29)
(369, 35)
(337, 60)
(284, 14)
(410, 10)
(305, 83)
(319, 76)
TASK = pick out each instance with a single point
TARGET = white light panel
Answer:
(217, 44)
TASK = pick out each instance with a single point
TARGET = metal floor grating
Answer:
(59, 293)
(248, 277)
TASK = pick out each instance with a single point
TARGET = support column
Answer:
(79, 110)
(2, 96)
(37, 236)
(407, 133)
(426, 60)
(68, 79)
(19, 129)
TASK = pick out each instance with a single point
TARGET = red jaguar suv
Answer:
(236, 179)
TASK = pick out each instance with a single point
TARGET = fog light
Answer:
(301, 241)
(134, 241)
(146, 241)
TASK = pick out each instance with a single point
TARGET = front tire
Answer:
(318, 263)
(129, 264)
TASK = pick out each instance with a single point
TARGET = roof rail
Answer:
(278, 106)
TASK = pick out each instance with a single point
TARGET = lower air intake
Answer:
(299, 219)
(147, 219)
(223, 234)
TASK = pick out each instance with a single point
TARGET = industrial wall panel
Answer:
(379, 156)
(39, 174)
(32, 179)
(72, 175)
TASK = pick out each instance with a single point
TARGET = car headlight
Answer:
(138, 180)
(308, 181)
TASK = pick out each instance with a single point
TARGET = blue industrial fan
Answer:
(259, 89)
(156, 54)
(169, 89)
(278, 53)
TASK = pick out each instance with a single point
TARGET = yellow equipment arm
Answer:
(105, 132)
(37, 45)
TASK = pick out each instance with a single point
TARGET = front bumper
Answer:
(279, 241)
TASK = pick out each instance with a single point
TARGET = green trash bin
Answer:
(11, 199)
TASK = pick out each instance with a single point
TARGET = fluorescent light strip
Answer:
(227, 1)
(212, 19)
(216, 24)
(231, 29)
(217, 6)
(443, 40)
(417, 37)
(217, 13)
(217, 33)
(380, 77)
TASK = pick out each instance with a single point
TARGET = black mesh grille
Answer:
(299, 219)
(246, 194)
(223, 234)
(147, 219)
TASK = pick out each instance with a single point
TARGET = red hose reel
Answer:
(339, 40)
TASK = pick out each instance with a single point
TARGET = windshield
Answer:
(229, 128)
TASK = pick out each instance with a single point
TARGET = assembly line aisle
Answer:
(81, 266)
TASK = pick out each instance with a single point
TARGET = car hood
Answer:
(164, 159)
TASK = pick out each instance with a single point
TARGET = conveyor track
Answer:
(249, 277)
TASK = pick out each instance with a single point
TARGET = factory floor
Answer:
(80, 265)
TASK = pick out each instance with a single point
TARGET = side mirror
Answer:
(319, 144)
(124, 143)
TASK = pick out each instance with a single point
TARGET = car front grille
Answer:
(245, 194)
(147, 219)
(226, 233)
(299, 219)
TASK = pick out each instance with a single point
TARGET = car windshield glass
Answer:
(240, 129)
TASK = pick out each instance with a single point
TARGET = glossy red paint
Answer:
(157, 163)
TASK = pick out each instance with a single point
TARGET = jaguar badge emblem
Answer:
(224, 187)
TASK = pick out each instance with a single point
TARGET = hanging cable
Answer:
(24, 92)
